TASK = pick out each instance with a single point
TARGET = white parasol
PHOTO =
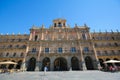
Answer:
(8, 62)
(112, 61)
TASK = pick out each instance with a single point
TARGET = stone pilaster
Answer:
(95, 53)
(23, 67)
(37, 68)
(51, 65)
(82, 58)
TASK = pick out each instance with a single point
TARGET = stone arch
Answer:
(60, 64)
(108, 64)
(75, 63)
(19, 64)
(36, 37)
(46, 62)
(89, 63)
(11, 66)
(101, 63)
(117, 64)
(31, 64)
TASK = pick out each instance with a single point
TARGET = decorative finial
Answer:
(24, 32)
(112, 31)
(13, 33)
(75, 25)
(42, 26)
(1, 34)
(100, 31)
(19, 33)
(85, 25)
(106, 31)
(117, 30)
(94, 31)
(68, 25)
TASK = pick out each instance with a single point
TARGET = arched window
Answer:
(98, 53)
(36, 37)
(0, 54)
(112, 52)
(63, 24)
(17, 46)
(116, 44)
(84, 36)
(34, 50)
(14, 54)
(10, 46)
(19, 40)
(54, 24)
(21, 55)
(24, 46)
(95, 44)
(59, 24)
(113, 38)
(105, 52)
(7, 54)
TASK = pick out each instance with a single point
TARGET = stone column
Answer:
(37, 65)
(69, 64)
(23, 67)
(52, 65)
(30, 36)
(38, 60)
(82, 58)
(52, 35)
(95, 53)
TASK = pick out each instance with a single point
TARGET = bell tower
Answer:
(59, 23)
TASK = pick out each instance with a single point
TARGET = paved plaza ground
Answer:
(63, 75)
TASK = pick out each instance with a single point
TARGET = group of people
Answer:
(113, 68)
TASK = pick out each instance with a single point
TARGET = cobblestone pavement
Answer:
(63, 75)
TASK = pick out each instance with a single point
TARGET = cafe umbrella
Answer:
(112, 61)
(8, 62)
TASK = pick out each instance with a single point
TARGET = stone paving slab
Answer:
(63, 75)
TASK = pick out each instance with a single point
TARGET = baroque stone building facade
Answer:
(60, 48)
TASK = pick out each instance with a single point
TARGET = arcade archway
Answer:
(46, 62)
(11, 66)
(75, 63)
(31, 64)
(101, 63)
(19, 64)
(117, 64)
(89, 63)
(108, 64)
(60, 64)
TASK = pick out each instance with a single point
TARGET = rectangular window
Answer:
(46, 50)
(34, 50)
(60, 50)
(73, 49)
(86, 49)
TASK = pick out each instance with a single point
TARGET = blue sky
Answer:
(19, 15)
